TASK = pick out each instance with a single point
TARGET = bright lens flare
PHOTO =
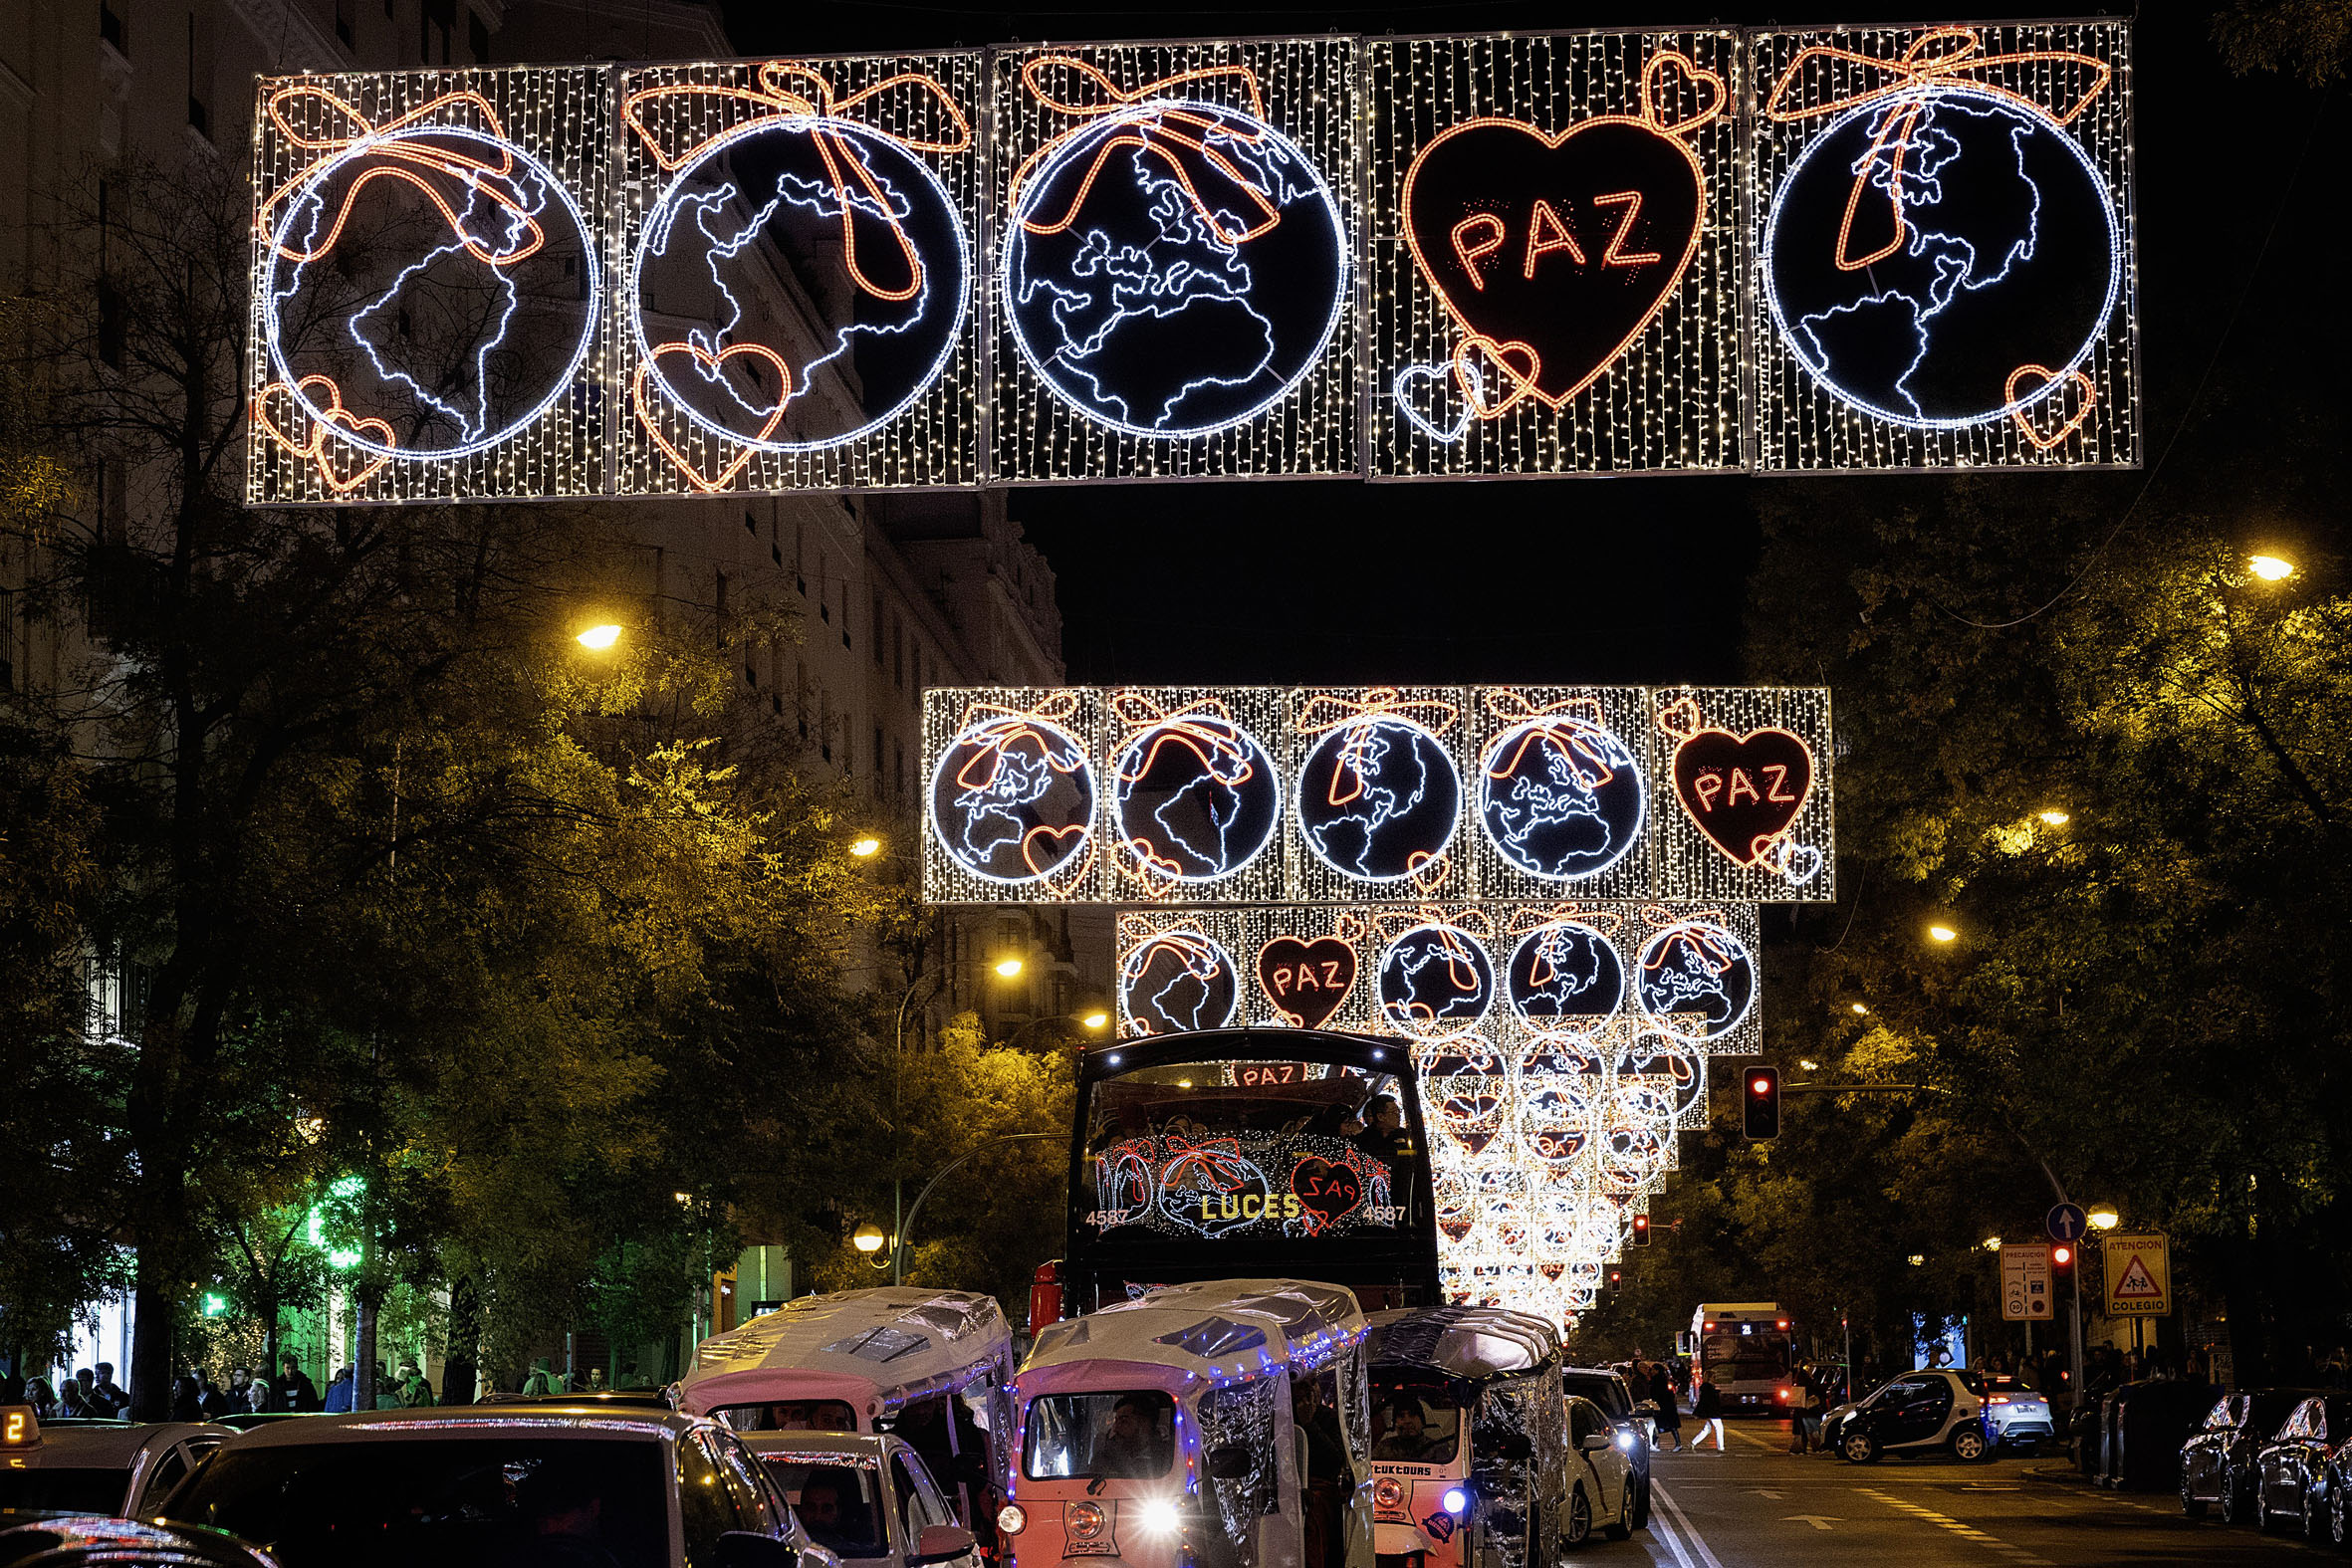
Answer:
(2270, 569)
(1157, 1517)
(2103, 1219)
(599, 637)
(1011, 1518)
(1456, 1500)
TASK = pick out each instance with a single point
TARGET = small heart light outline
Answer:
(713, 361)
(323, 420)
(2051, 381)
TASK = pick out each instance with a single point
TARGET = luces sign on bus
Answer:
(1540, 254)
(1347, 796)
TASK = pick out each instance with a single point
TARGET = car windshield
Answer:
(838, 1504)
(1414, 1422)
(1608, 1393)
(1120, 1434)
(453, 1502)
(792, 1415)
(55, 1488)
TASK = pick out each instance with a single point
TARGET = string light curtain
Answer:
(1553, 238)
(1941, 258)
(430, 282)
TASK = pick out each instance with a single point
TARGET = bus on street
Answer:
(1747, 1349)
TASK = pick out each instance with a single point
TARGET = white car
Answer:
(867, 1497)
(1603, 1491)
(1928, 1411)
(95, 1467)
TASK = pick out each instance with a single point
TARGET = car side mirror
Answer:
(940, 1543)
(1515, 1447)
(1231, 1461)
(1596, 1441)
(750, 1549)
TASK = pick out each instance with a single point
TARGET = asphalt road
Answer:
(1759, 1506)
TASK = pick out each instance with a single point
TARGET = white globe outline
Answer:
(948, 847)
(1486, 794)
(1120, 789)
(1553, 1027)
(1298, 791)
(1664, 1024)
(1129, 973)
(1457, 1029)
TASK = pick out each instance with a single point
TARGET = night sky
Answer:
(1616, 580)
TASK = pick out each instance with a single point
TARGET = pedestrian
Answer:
(542, 1380)
(39, 1395)
(415, 1390)
(79, 1396)
(1669, 1410)
(111, 1398)
(1707, 1410)
(338, 1392)
(212, 1401)
(240, 1389)
(187, 1397)
(1806, 1409)
(595, 1381)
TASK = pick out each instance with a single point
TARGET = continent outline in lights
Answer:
(1464, 958)
(1538, 950)
(1712, 946)
(1143, 124)
(1358, 731)
(990, 737)
(1567, 737)
(1198, 959)
(410, 150)
(1212, 738)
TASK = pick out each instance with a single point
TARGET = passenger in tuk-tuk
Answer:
(1418, 1425)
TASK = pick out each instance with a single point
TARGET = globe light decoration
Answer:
(1177, 981)
(1553, 231)
(1562, 791)
(1174, 289)
(1379, 798)
(1196, 796)
(799, 308)
(1943, 247)
(427, 292)
(1012, 800)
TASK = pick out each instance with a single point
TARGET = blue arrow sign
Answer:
(2065, 1222)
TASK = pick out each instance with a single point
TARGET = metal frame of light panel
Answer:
(1607, 740)
(2069, 79)
(1665, 396)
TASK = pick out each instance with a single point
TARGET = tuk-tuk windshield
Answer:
(1127, 1435)
(794, 1415)
(1417, 1422)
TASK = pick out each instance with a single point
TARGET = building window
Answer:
(801, 694)
(844, 612)
(897, 653)
(199, 119)
(899, 768)
(7, 639)
(749, 526)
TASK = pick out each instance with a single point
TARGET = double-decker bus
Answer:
(1746, 1349)
(1246, 1153)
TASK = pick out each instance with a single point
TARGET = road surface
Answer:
(1759, 1506)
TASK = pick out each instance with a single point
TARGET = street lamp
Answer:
(2103, 1217)
(1992, 1243)
(2270, 569)
(865, 847)
(868, 1239)
(1918, 1259)
(1861, 1009)
(1095, 1020)
(598, 637)
(1808, 1065)
(1008, 968)
(2054, 817)
(1942, 933)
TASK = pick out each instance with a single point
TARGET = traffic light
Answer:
(2061, 1258)
(1762, 1111)
(1616, 1278)
(1641, 1229)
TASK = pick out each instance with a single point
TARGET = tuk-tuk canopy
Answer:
(883, 1349)
(1216, 1329)
(1473, 1343)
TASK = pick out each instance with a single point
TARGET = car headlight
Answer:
(1083, 1520)
(1157, 1517)
(1388, 1492)
(1455, 1500)
(1011, 1518)
(1625, 1440)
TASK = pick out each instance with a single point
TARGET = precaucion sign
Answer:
(2026, 1292)
(2139, 1276)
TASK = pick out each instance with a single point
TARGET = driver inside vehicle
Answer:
(563, 1509)
(1129, 1448)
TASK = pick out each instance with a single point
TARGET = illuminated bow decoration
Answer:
(1216, 1163)
(994, 738)
(1605, 920)
(435, 172)
(1698, 931)
(1195, 730)
(792, 89)
(1176, 134)
(1943, 57)
(1573, 736)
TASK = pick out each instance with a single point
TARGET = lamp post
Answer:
(1094, 1019)
(1006, 968)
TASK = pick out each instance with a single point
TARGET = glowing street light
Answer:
(1992, 1243)
(2054, 817)
(1862, 1010)
(868, 1239)
(1095, 1020)
(1007, 968)
(1809, 1066)
(599, 639)
(2270, 569)
(865, 847)
(2103, 1217)
(1919, 1260)
(1942, 933)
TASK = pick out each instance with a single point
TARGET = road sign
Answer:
(2025, 1288)
(2067, 1223)
(2138, 1275)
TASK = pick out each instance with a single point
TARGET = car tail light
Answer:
(1996, 1399)
(1781, 1395)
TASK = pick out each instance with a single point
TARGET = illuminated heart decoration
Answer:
(1053, 835)
(1559, 248)
(1307, 980)
(1326, 1193)
(1494, 375)
(2033, 417)
(1469, 1114)
(342, 467)
(1455, 1228)
(345, 468)
(1796, 863)
(1428, 398)
(713, 362)
(1743, 790)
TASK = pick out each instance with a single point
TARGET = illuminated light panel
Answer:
(1224, 177)
(1747, 769)
(1564, 790)
(801, 308)
(1195, 794)
(427, 307)
(1013, 800)
(1435, 982)
(1695, 980)
(1378, 798)
(1175, 982)
(1889, 332)
(1565, 977)
(1553, 225)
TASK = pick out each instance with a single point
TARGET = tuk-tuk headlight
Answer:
(1011, 1518)
(1388, 1492)
(1157, 1517)
(1457, 1500)
(1083, 1520)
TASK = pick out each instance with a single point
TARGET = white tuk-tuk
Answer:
(933, 1366)
(1218, 1424)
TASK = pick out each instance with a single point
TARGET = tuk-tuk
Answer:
(933, 1366)
(1470, 1444)
(1214, 1424)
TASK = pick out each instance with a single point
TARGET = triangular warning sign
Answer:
(2136, 1284)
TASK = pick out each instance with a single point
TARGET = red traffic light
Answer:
(2061, 1255)
(1617, 1276)
(1760, 1117)
(1641, 1229)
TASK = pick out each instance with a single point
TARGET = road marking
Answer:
(1662, 1530)
(1967, 1532)
(1817, 1520)
(1762, 1493)
(1683, 1522)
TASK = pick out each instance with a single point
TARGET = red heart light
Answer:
(1307, 980)
(1743, 790)
(1326, 1193)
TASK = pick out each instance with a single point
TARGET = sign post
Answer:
(2025, 1286)
(2138, 1275)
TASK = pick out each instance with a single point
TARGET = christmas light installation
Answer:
(1174, 982)
(1564, 977)
(426, 285)
(1943, 246)
(1436, 980)
(1378, 798)
(1194, 795)
(1173, 277)
(1012, 796)
(1753, 818)
(1695, 980)
(800, 273)
(1562, 796)
(1566, 215)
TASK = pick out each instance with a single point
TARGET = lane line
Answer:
(1967, 1532)
(1661, 1529)
(1683, 1522)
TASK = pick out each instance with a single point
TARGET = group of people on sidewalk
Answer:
(1655, 1381)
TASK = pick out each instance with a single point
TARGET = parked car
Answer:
(2291, 1471)
(2217, 1461)
(1634, 1426)
(1616, 1491)
(471, 1483)
(2015, 1413)
(85, 1540)
(1929, 1410)
(119, 1468)
(865, 1497)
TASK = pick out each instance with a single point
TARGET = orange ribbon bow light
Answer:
(1175, 131)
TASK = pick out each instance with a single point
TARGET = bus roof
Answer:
(899, 1342)
(1736, 1310)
